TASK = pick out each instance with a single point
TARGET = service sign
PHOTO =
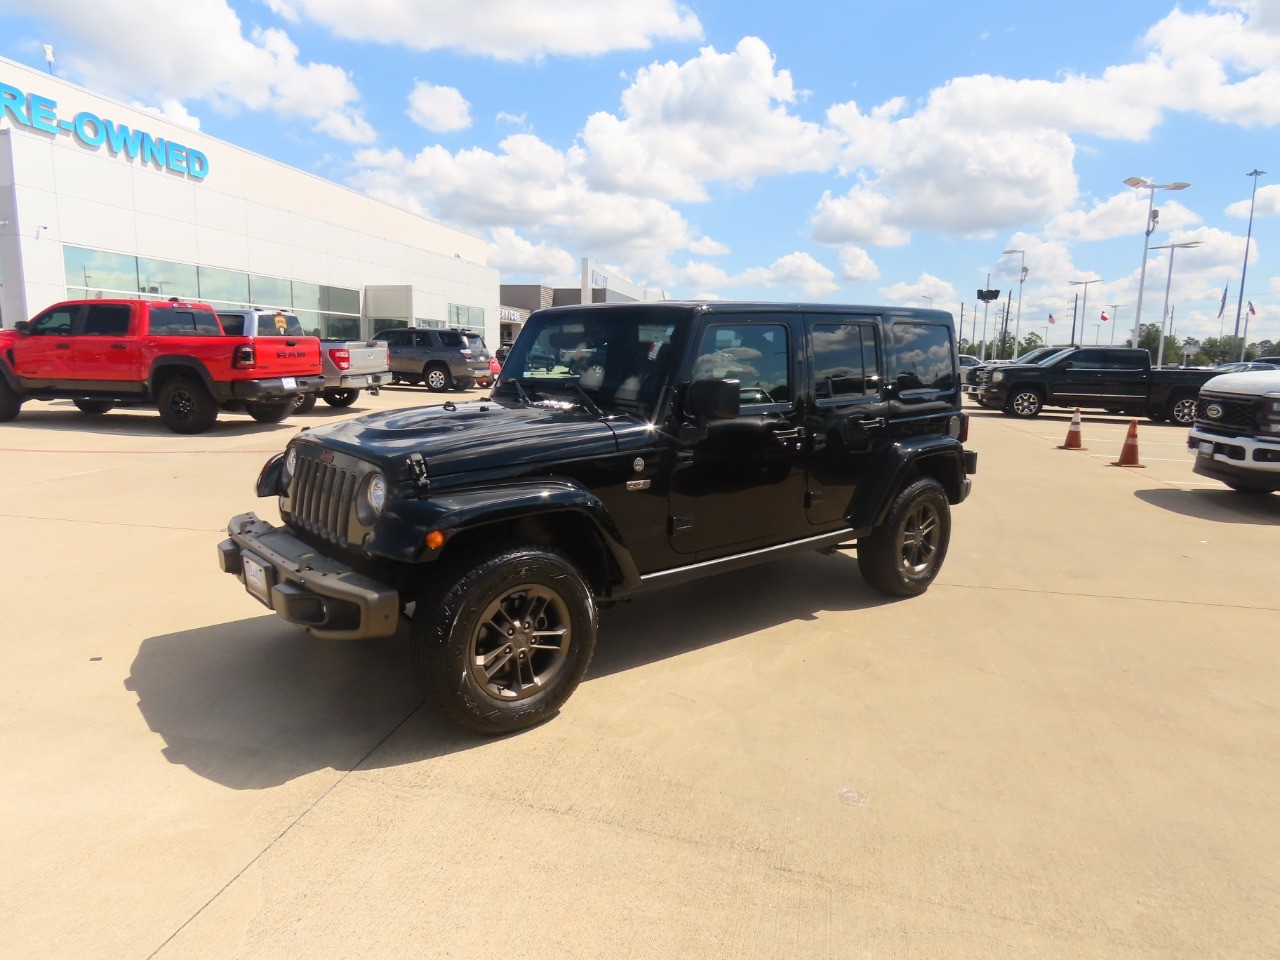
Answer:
(40, 113)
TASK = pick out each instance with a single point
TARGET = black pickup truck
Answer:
(676, 440)
(1114, 379)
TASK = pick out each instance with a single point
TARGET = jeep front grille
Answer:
(322, 496)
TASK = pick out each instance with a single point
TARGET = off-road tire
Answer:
(437, 377)
(93, 407)
(186, 406)
(305, 403)
(453, 633)
(336, 397)
(903, 555)
(269, 411)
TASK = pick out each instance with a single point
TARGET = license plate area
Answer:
(258, 577)
(1206, 449)
(290, 383)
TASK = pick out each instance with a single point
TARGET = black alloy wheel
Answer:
(502, 644)
(185, 406)
(304, 403)
(270, 411)
(903, 555)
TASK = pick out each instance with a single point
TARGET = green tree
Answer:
(1030, 342)
(1149, 340)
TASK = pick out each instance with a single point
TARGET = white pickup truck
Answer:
(1236, 436)
(349, 366)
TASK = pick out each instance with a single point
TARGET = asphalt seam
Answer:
(283, 833)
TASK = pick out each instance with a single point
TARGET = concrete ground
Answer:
(1069, 747)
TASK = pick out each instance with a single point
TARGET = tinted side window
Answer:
(449, 338)
(280, 325)
(844, 355)
(232, 324)
(55, 323)
(922, 357)
(1088, 358)
(754, 354)
(1125, 360)
(184, 322)
(107, 320)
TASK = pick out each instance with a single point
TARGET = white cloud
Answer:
(198, 50)
(1267, 203)
(504, 29)
(706, 247)
(438, 109)
(171, 110)
(717, 117)
(513, 254)
(926, 285)
(797, 269)
(1123, 214)
(860, 216)
(856, 266)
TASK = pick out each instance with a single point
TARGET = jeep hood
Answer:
(480, 435)
(1255, 383)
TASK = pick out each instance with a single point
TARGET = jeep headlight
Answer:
(290, 464)
(997, 377)
(372, 498)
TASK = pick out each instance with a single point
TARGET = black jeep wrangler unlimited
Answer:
(624, 447)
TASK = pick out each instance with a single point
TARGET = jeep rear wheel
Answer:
(185, 406)
(437, 377)
(1025, 402)
(503, 641)
(903, 555)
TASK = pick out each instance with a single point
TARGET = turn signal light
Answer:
(435, 540)
(341, 358)
(243, 357)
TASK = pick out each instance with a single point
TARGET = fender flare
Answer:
(945, 457)
(167, 361)
(400, 533)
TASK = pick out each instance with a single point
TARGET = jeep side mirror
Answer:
(713, 399)
(22, 326)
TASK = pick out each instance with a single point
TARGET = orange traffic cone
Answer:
(1074, 436)
(1129, 452)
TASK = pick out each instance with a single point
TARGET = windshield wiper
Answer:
(586, 397)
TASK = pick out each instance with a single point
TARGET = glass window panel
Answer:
(339, 328)
(91, 270)
(224, 286)
(921, 357)
(269, 292)
(837, 359)
(753, 354)
(107, 320)
(378, 324)
(307, 296)
(339, 300)
(168, 321)
(165, 278)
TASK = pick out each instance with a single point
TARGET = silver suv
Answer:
(441, 359)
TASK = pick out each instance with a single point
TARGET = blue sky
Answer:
(846, 152)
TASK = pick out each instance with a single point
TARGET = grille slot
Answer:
(322, 496)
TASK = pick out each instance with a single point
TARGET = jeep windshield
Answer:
(618, 362)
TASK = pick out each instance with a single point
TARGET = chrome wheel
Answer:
(437, 379)
(1183, 412)
(1026, 403)
(521, 642)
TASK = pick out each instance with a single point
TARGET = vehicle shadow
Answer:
(255, 703)
(61, 415)
(1219, 506)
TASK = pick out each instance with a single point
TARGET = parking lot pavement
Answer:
(1068, 747)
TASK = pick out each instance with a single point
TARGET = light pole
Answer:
(1115, 307)
(1084, 302)
(1152, 216)
(930, 299)
(1172, 248)
(1255, 173)
(986, 296)
(1022, 278)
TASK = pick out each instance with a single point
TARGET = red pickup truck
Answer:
(106, 353)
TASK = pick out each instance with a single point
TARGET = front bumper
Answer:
(1240, 459)
(323, 596)
(277, 388)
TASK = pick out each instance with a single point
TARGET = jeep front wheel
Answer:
(1025, 403)
(903, 555)
(185, 406)
(504, 640)
(437, 378)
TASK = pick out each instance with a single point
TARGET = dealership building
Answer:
(99, 199)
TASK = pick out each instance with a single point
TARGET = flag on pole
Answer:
(1104, 316)
(1252, 312)
(1051, 320)
(1223, 305)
